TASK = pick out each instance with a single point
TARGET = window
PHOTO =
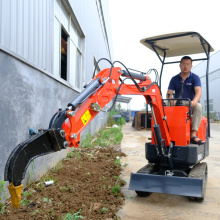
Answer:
(212, 76)
(63, 55)
(67, 46)
(210, 105)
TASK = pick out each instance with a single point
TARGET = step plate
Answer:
(184, 186)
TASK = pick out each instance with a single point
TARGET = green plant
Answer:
(2, 188)
(51, 212)
(103, 210)
(62, 189)
(58, 167)
(76, 154)
(73, 216)
(116, 189)
(69, 155)
(36, 211)
(118, 162)
(86, 142)
(30, 172)
(120, 121)
(24, 201)
(102, 138)
(45, 199)
(3, 209)
(27, 193)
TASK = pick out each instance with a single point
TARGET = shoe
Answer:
(199, 142)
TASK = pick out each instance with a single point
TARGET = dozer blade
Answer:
(184, 186)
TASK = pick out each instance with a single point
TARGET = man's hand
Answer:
(193, 103)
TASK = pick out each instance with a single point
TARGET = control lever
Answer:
(179, 101)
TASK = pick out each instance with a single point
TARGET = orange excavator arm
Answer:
(67, 124)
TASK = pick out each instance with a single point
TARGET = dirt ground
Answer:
(86, 182)
(164, 206)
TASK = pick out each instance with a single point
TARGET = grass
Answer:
(27, 193)
(115, 189)
(103, 210)
(102, 138)
(2, 210)
(111, 121)
(73, 216)
(118, 162)
(25, 201)
(2, 189)
(48, 178)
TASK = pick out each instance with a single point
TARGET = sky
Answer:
(133, 20)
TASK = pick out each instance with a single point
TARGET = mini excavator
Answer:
(174, 164)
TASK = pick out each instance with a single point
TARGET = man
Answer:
(192, 90)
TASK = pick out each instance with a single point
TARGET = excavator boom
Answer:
(67, 124)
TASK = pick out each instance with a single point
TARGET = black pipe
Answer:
(207, 93)
(161, 71)
(158, 134)
(134, 75)
(179, 101)
(88, 90)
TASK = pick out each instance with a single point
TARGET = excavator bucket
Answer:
(15, 192)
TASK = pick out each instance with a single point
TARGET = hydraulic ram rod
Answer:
(85, 93)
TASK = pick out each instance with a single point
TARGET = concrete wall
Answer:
(30, 96)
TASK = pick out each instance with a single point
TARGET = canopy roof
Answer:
(177, 44)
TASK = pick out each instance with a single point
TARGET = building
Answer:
(48, 51)
(214, 81)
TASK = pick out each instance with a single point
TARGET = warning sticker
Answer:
(86, 116)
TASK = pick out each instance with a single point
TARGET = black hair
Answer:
(186, 58)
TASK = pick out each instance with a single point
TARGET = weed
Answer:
(51, 212)
(126, 164)
(123, 182)
(26, 193)
(76, 154)
(24, 201)
(2, 188)
(120, 121)
(102, 138)
(73, 216)
(44, 179)
(118, 162)
(58, 167)
(40, 186)
(3, 209)
(86, 142)
(116, 189)
(103, 210)
(36, 211)
(102, 187)
(62, 189)
(45, 199)
(69, 155)
(30, 172)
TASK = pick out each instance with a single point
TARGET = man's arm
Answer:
(198, 94)
(170, 95)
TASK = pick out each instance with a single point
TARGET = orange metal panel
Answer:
(202, 129)
(179, 126)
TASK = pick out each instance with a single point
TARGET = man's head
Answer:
(186, 65)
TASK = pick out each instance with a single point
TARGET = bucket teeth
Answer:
(15, 192)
